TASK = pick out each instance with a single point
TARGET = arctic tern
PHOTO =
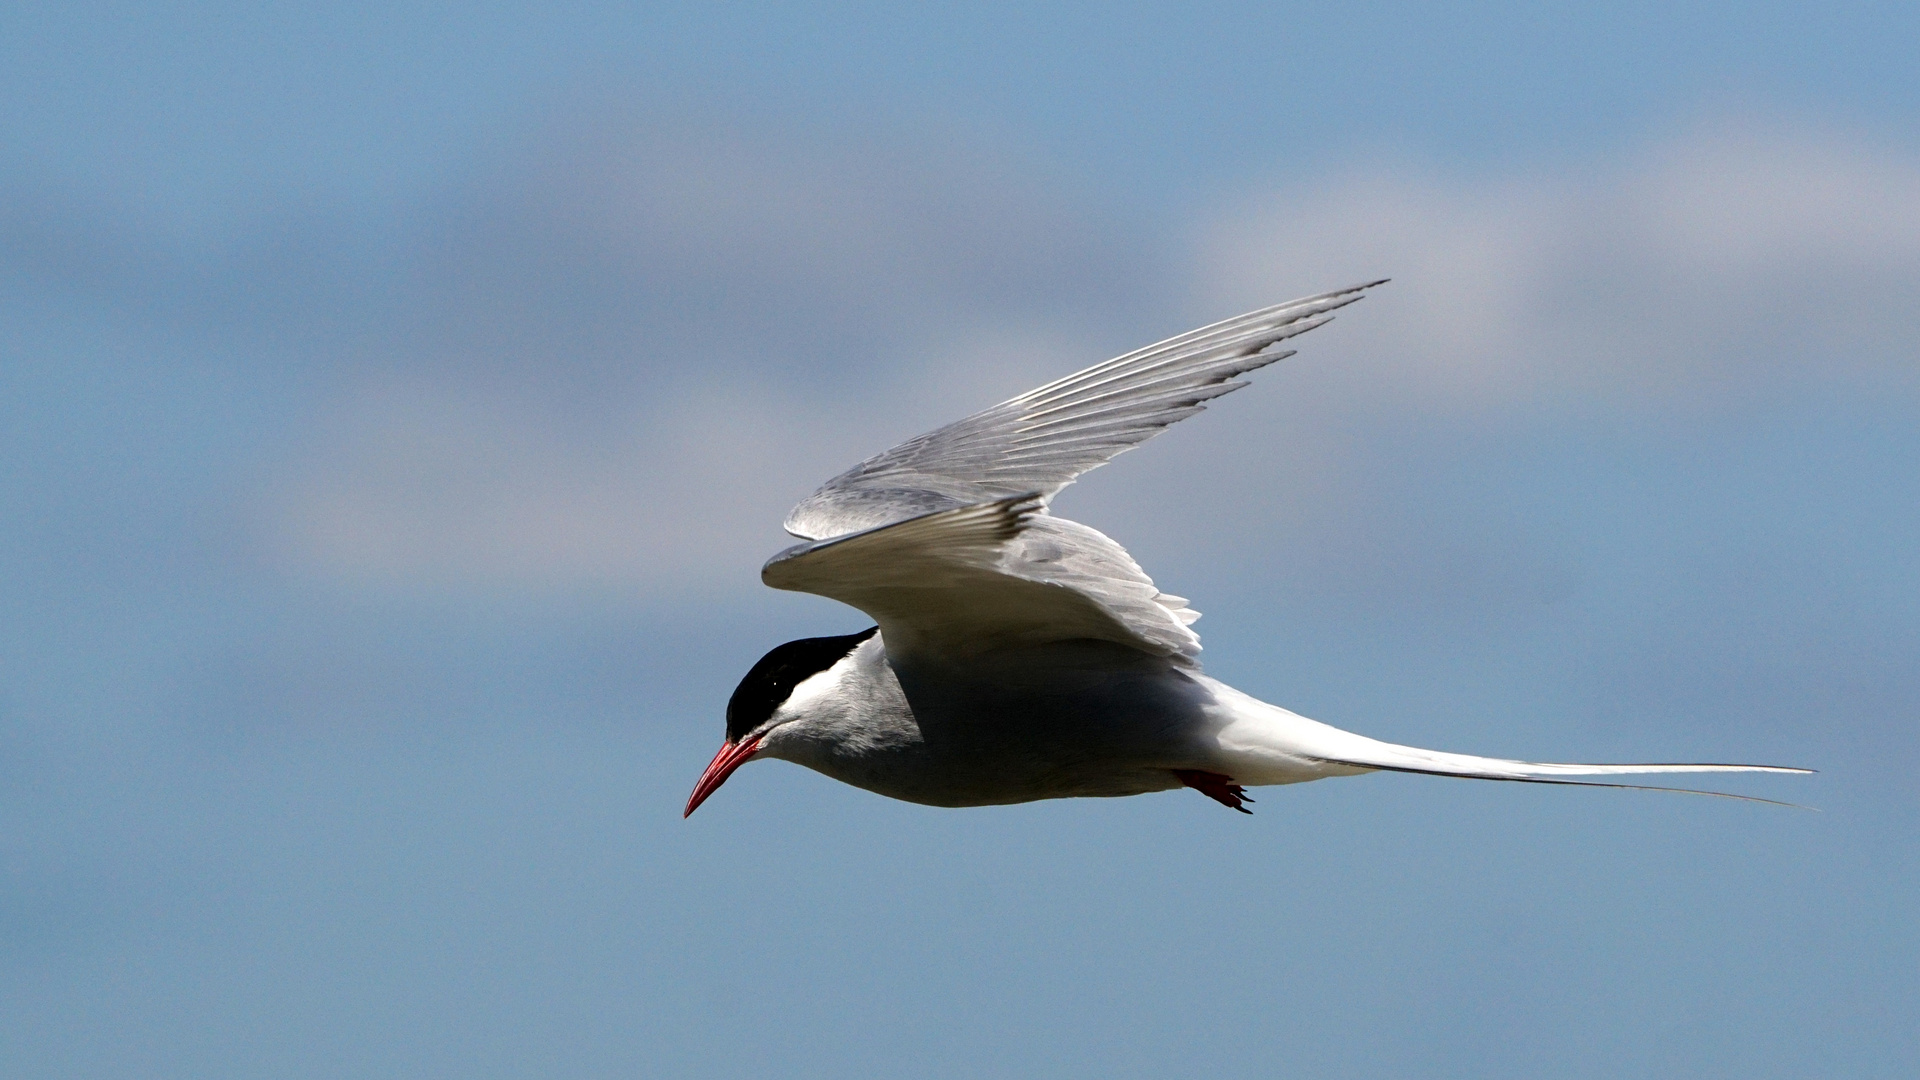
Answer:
(1022, 656)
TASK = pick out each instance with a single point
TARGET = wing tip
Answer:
(1353, 291)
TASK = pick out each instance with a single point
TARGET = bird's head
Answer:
(765, 701)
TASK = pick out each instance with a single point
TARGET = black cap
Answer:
(774, 677)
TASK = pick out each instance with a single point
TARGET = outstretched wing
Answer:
(991, 575)
(1040, 441)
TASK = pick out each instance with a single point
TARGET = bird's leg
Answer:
(1220, 789)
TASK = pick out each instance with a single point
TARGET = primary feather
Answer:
(1039, 442)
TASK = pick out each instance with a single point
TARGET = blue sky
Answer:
(399, 402)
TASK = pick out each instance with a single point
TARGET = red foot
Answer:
(1220, 789)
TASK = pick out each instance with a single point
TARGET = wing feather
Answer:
(1040, 441)
(987, 576)
(945, 540)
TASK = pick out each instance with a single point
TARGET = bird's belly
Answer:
(936, 780)
(1080, 720)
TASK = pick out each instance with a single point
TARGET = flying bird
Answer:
(1021, 656)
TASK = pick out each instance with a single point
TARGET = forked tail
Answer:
(1260, 743)
(1389, 757)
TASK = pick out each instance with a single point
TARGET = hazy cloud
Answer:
(618, 355)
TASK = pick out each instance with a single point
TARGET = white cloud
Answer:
(421, 481)
(1697, 262)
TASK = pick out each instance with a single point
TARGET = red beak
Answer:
(731, 756)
